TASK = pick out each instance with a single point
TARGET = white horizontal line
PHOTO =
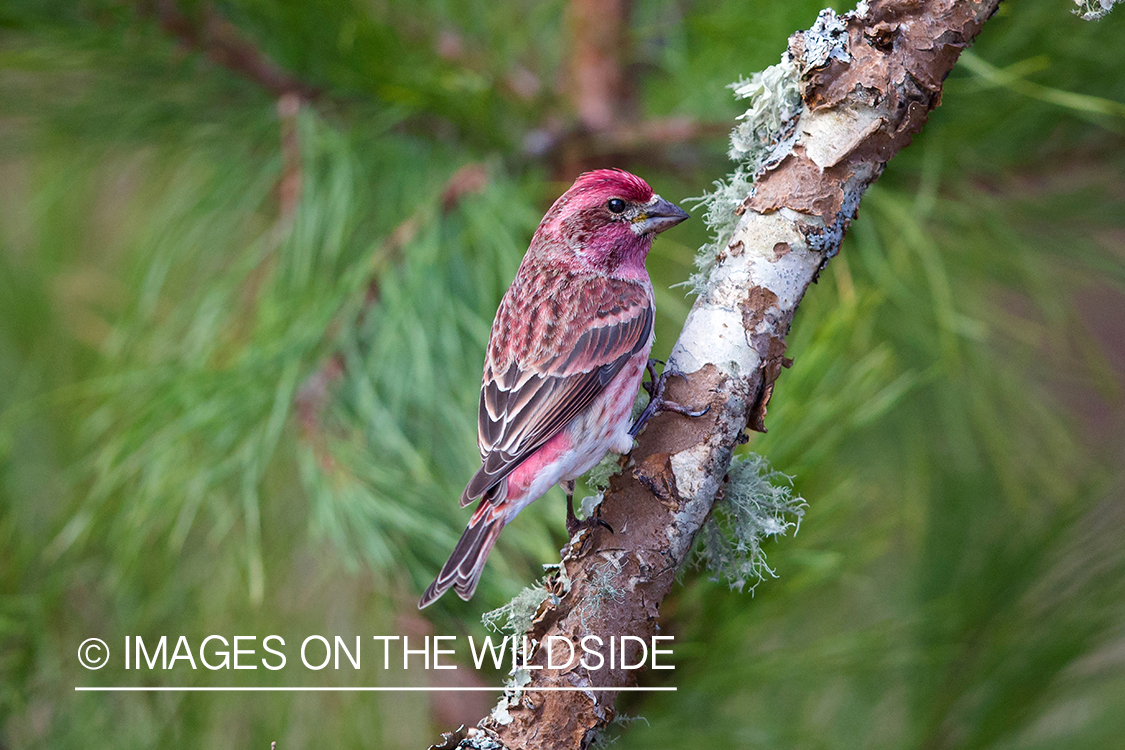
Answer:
(404, 689)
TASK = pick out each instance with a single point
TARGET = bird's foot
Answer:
(656, 402)
(573, 524)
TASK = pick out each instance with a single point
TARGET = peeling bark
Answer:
(869, 80)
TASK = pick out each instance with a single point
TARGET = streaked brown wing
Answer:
(534, 387)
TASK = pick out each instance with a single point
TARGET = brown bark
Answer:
(860, 108)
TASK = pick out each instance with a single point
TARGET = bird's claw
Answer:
(573, 524)
(657, 403)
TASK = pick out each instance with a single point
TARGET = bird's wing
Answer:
(556, 343)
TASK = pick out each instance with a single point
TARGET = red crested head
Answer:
(612, 182)
(605, 222)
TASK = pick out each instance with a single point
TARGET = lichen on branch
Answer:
(1094, 10)
(763, 134)
(757, 503)
(515, 617)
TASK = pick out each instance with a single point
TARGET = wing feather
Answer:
(534, 385)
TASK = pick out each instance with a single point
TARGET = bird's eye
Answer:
(615, 205)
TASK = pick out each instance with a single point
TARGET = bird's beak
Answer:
(658, 215)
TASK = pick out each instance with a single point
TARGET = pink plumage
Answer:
(565, 358)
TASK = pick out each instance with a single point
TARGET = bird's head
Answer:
(606, 221)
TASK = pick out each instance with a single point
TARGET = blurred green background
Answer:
(241, 338)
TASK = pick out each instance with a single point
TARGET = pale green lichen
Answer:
(471, 738)
(757, 503)
(590, 504)
(607, 737)
(518, 679)
(765, 132)
(480, 741)
(598, 477)
(774, 101)
(1094, 10)
(601, 590)
(516, 616)
(500, 713)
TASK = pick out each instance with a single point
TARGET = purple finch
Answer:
(565, 358)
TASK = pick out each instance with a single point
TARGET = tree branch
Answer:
(225, 45)
(868, 81)
(599, 86)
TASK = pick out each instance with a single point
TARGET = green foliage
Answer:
(396, 439)
(957, 579)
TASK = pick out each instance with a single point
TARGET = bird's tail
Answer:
(462, 571)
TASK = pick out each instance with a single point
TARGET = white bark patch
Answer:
(697, 481)
(787, 276)
(761, 233)
(687, 467)
(713, 335)
(829, 135)
(714, 332)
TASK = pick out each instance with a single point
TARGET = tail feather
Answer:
(462, 571)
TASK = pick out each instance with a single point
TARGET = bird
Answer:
(566, 356)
